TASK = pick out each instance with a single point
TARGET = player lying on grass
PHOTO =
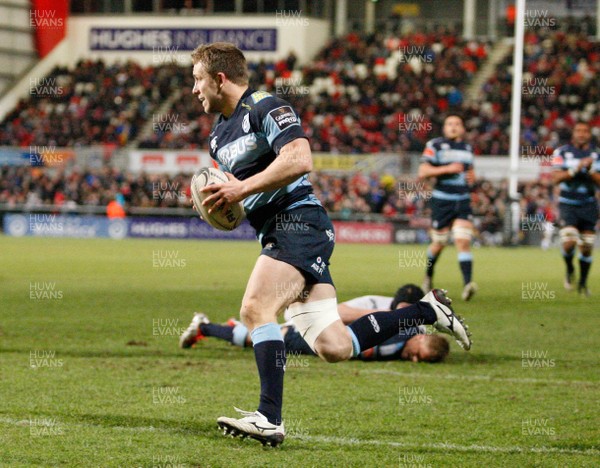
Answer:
(259, 142)
(411, 344)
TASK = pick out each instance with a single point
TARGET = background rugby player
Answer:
(577, 172)
(449, 159)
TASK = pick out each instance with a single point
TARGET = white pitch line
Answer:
(452, 447)
(448, 447)
(488, 378)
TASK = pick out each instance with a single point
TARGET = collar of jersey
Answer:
(247, 93)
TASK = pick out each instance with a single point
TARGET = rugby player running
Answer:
(258, 141)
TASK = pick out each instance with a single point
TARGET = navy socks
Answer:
(269, 352)
(375, 328)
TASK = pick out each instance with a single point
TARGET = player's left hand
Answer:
(586, 163)
(470, 176)
(224, 195)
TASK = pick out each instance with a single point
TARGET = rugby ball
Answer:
(223, 221)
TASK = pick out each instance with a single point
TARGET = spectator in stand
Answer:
(115, 208)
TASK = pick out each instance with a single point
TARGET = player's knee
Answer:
(569, 236)
(587, 243)
(251, 313)
(462, 235)
(316, 322)
(439, 237)
(334, 350)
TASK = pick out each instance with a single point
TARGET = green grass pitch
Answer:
(91, 374)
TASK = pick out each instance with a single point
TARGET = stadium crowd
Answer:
(93, 103)
(343, 93)
(350, 97)
(561, 84)
(341, 96)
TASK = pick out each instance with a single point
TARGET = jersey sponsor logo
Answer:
(374, 323)
(246, 123)
(330, 234)
(259, 96)
(319, 266)
(233, 150)
(284, 117)
(213, 144)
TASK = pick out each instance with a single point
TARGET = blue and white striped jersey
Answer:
(249, 140)
(581, 189)
(441, 152)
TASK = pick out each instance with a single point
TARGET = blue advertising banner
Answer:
(185, 228)
(51, 225)
(159, 228)
(178, 39)
(14, 157)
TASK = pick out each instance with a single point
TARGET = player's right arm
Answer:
(429, 168)
(293, 161)
(296, 161)
(559, 176)
(280, 124)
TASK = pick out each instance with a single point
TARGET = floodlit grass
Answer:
(91, 374)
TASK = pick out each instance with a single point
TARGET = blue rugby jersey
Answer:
(249, 140)
(392, 348)
(581, 189)
(441, 152)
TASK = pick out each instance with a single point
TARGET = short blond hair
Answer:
(222, 57)
(438, 348)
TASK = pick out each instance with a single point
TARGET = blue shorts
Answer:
(583, 217)
(444, 212)
(304, 238)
